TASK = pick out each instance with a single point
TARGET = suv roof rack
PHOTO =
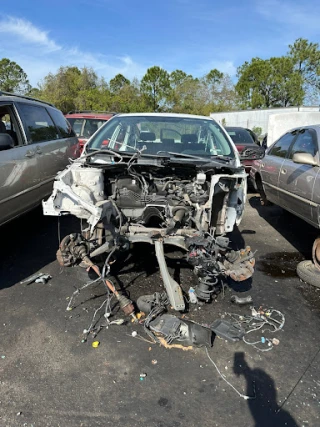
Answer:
(91, 111)
(3, 93)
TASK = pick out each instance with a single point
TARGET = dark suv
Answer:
(86, 123)
(36, 142)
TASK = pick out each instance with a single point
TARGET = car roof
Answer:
(235, 128)
(316, 127)
(187, 116)
(5, 96)
(89, 115)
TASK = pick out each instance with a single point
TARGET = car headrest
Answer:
(189, 137)
(147, 136)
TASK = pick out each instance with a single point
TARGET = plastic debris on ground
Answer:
(37, 278)
(227, 330)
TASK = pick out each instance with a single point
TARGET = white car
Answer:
(162, 179)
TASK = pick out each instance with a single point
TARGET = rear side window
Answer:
(305, 143)
(61, 123)
(240, 136)
(281, 147)
(77, 125)
(38, 123)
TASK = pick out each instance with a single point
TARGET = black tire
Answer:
(307, 272)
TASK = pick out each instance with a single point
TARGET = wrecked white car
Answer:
(164, 179)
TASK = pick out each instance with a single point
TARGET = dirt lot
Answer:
(48, 377)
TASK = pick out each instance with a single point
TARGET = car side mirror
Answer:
(304, 159)
(6, 141)
(252, 153)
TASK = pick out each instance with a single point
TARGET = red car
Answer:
(243, 140)
(86, 123)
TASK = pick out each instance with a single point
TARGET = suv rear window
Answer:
(62, 123)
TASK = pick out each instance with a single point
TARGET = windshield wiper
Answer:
(187, 156)
(204, 158)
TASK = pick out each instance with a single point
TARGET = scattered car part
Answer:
(227, 330)
(241, 301)
(183, 331)
(309, 273)
(31, 279)
(192, 295)
(73, 248)
(43, 279)
(240, 264)
(146, 303)
(172, 287)
(266, 319)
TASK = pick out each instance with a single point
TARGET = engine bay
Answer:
(122, 201)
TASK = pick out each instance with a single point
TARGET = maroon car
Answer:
(86, 123)
(244, 142)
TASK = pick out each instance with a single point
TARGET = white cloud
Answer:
(295, 15)
(27, 32)
(49, 55)
(226, 67)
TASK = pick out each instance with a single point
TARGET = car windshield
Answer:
(240, 136)
(163, 134)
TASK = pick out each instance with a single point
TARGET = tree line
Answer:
(292, 79)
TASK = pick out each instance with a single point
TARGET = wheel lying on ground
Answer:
(308, 272)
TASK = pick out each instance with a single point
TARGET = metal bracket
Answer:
(172, 287)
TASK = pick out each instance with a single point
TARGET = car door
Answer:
(19, 183)
(51, 147)
(297, 181)
(271, 165)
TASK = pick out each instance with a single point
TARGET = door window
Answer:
(9, 125)
(38, 123)
(281, 147)
(61, 123)
(305, 143)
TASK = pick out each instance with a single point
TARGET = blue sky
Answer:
(128, 36)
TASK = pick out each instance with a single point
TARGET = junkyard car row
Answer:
(163, 179)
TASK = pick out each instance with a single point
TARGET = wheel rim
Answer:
(316, 253)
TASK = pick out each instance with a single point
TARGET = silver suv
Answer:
(36, 141)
